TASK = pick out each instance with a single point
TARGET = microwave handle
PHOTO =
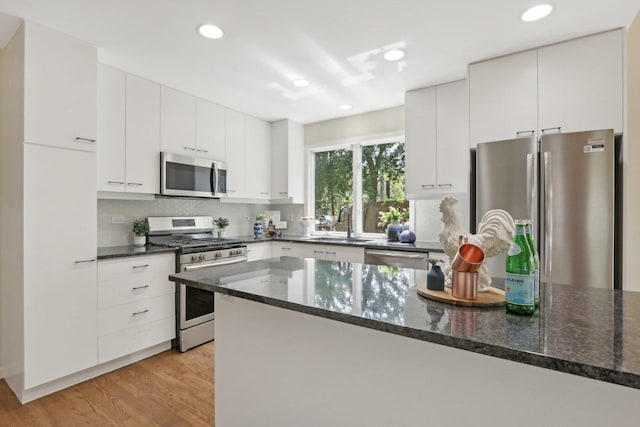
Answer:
(214, 178)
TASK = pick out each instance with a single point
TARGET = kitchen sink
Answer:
(328, 239)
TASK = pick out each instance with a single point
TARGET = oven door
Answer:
(187, 176)
(196, 305)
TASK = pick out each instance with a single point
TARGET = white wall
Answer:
(378, 122)
(241, 216)
(631, 223)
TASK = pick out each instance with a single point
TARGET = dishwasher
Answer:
(400, 259)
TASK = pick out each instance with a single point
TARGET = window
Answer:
(351, 185)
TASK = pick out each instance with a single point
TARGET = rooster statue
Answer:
(495, 234)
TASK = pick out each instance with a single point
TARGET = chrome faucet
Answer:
(348, 214)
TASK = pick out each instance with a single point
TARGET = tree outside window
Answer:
(378, 182)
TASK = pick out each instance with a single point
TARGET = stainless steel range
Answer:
(197, 248)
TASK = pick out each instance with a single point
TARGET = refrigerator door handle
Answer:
(547, 199)
(531, 194)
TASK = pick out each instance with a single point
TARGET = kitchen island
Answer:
(311, 342)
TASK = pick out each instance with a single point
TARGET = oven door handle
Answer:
(214, 264)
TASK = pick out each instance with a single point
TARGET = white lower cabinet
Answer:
(312, 250)
(258, 251)
(136, 304)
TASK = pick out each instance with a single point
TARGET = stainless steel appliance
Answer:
(396, 259)
(197, 249)
(567, 187)
(192, 176)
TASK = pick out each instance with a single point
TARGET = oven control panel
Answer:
(212, 255)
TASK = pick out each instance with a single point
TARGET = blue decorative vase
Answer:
(258, 230)
(435, 279)
(407, 236)
(393, 231)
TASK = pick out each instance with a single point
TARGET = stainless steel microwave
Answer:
(192, 176)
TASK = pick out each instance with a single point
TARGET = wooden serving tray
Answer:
(491, 298)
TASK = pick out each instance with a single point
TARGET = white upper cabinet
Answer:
(235, 148)
(287, 161)
(178, 122)
(258, 159)
(210, 130)
(580, 83)
(436, 141)
(502, 97)
(128, 132)
(453, 136)
(111, 129)
(60, 89)
(420, 142)
(572, 86)
(142, 135)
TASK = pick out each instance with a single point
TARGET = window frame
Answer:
(355, 145)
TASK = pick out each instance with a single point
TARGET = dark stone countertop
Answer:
(594, 333)
(107, 252)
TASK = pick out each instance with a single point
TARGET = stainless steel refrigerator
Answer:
(565, 183)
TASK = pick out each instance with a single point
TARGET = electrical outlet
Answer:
(117, 220)
(290, 218)
(246, 217)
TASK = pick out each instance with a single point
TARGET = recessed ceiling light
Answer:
(536, 12)
(210, 31)
(345, 107)
(394, 55)
(300, 83)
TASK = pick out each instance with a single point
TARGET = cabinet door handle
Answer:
(82, 261)
(330, 253)
(318, 252)
(283, 193)
(137, 184)
(189, 148)
(136, 313)
(558, 128)
(202, 151)
(525, 131)
(135, 288)
(231, 191)
(286, 249)
(87, 140)
(141, 266)
(428, 186)
(264, 193)
(445, 185)
(115, 182)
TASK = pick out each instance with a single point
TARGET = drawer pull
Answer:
(286, 249)
(428, 186)
(331, 253)
(140, 312)
(318, 252)
(532, 132)
(85, 260)
(445, 185)
(202, 151)
(135, 288)
(189, 148)
(135, 183)
(283, 193)
(88, 140)
(115, 182)
(141, 266)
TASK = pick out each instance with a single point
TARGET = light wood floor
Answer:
(169, 389)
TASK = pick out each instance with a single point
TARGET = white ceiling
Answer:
(336, 44)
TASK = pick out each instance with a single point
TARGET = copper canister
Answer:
(464, 285)
(468, 258)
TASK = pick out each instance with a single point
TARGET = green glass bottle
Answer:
(536, 262)
(520, 277)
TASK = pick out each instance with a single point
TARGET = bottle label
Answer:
(514, 249)
(536, 281)
(519, 288)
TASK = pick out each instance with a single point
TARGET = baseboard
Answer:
(87, 374)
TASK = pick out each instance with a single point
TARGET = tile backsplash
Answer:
(241, 216)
